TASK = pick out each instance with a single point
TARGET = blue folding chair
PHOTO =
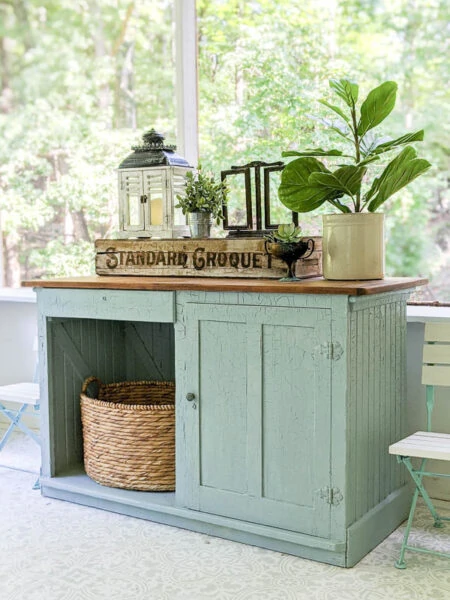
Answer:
(25, 396)
(427, 444)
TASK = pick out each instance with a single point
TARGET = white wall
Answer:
(18, 348)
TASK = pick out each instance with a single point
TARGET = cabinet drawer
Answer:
(120, 305)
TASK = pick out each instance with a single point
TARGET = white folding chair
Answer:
(24, 396)
(427, 444)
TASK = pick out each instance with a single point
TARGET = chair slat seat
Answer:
(423, 444)
(22, 393)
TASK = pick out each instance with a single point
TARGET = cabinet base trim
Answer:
(377, 524)
(81, 490)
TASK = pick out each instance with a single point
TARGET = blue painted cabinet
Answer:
(258, 429)
(286, 403)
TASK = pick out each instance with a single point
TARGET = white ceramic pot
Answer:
(353, 246)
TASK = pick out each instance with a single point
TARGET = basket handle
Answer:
(87, 383)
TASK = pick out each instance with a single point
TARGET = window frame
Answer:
(186, 74)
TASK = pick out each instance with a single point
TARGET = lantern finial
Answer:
(155, 139)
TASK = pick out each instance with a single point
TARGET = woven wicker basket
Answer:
(129, 434)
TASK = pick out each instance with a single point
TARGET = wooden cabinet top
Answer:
(316, 285)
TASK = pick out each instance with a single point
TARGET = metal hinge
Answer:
(331, 495)
(331, 350)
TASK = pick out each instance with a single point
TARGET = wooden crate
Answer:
(245, 257)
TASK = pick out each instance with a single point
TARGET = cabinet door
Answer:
(256, 439)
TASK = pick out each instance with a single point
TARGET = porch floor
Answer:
(54, 550)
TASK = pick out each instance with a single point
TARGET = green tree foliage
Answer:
(263, 65)
(81, 80)
(77, 79)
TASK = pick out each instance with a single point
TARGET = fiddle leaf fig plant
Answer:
(307, 182)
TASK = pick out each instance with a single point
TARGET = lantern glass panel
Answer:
(134, 207)
(179, 189)
(154, 192)
(134, 217)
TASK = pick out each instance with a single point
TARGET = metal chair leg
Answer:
(401, 564)
(14, 416)
(417, 477)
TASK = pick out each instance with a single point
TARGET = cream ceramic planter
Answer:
(353, 246)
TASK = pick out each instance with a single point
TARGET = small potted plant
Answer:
(202, 201)
(287, 243)
(353, 239)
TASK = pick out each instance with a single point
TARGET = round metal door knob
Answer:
(190, 396)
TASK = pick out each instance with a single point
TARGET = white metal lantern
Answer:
(149, 180)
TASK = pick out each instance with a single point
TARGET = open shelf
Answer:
(76, 481)
(113, 351)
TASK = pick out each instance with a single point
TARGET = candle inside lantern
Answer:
(156, 211)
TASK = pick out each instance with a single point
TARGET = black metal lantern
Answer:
(149, 180)
(253, 215)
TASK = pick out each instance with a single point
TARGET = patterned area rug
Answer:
(54, 550)
(20, 452)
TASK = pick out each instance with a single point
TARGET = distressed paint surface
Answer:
(222, 411)
(288, 413)
(376, 401)
(303, 392)
(262, 440)
(120, 305)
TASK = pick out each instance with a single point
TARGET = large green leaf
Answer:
(336, 109)
(296, 193)
(338, 126)
(345, 89)
(399, 172)
(312, 152)
(342, 207)
(368, 160)
(417, 136)
(372, 191)
(370, 142)
(346, 179)
(377, 106)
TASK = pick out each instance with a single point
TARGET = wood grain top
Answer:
(316, 285)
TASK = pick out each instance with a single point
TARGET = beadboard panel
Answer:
(79, 348)
(150, 349)
(376, 391)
